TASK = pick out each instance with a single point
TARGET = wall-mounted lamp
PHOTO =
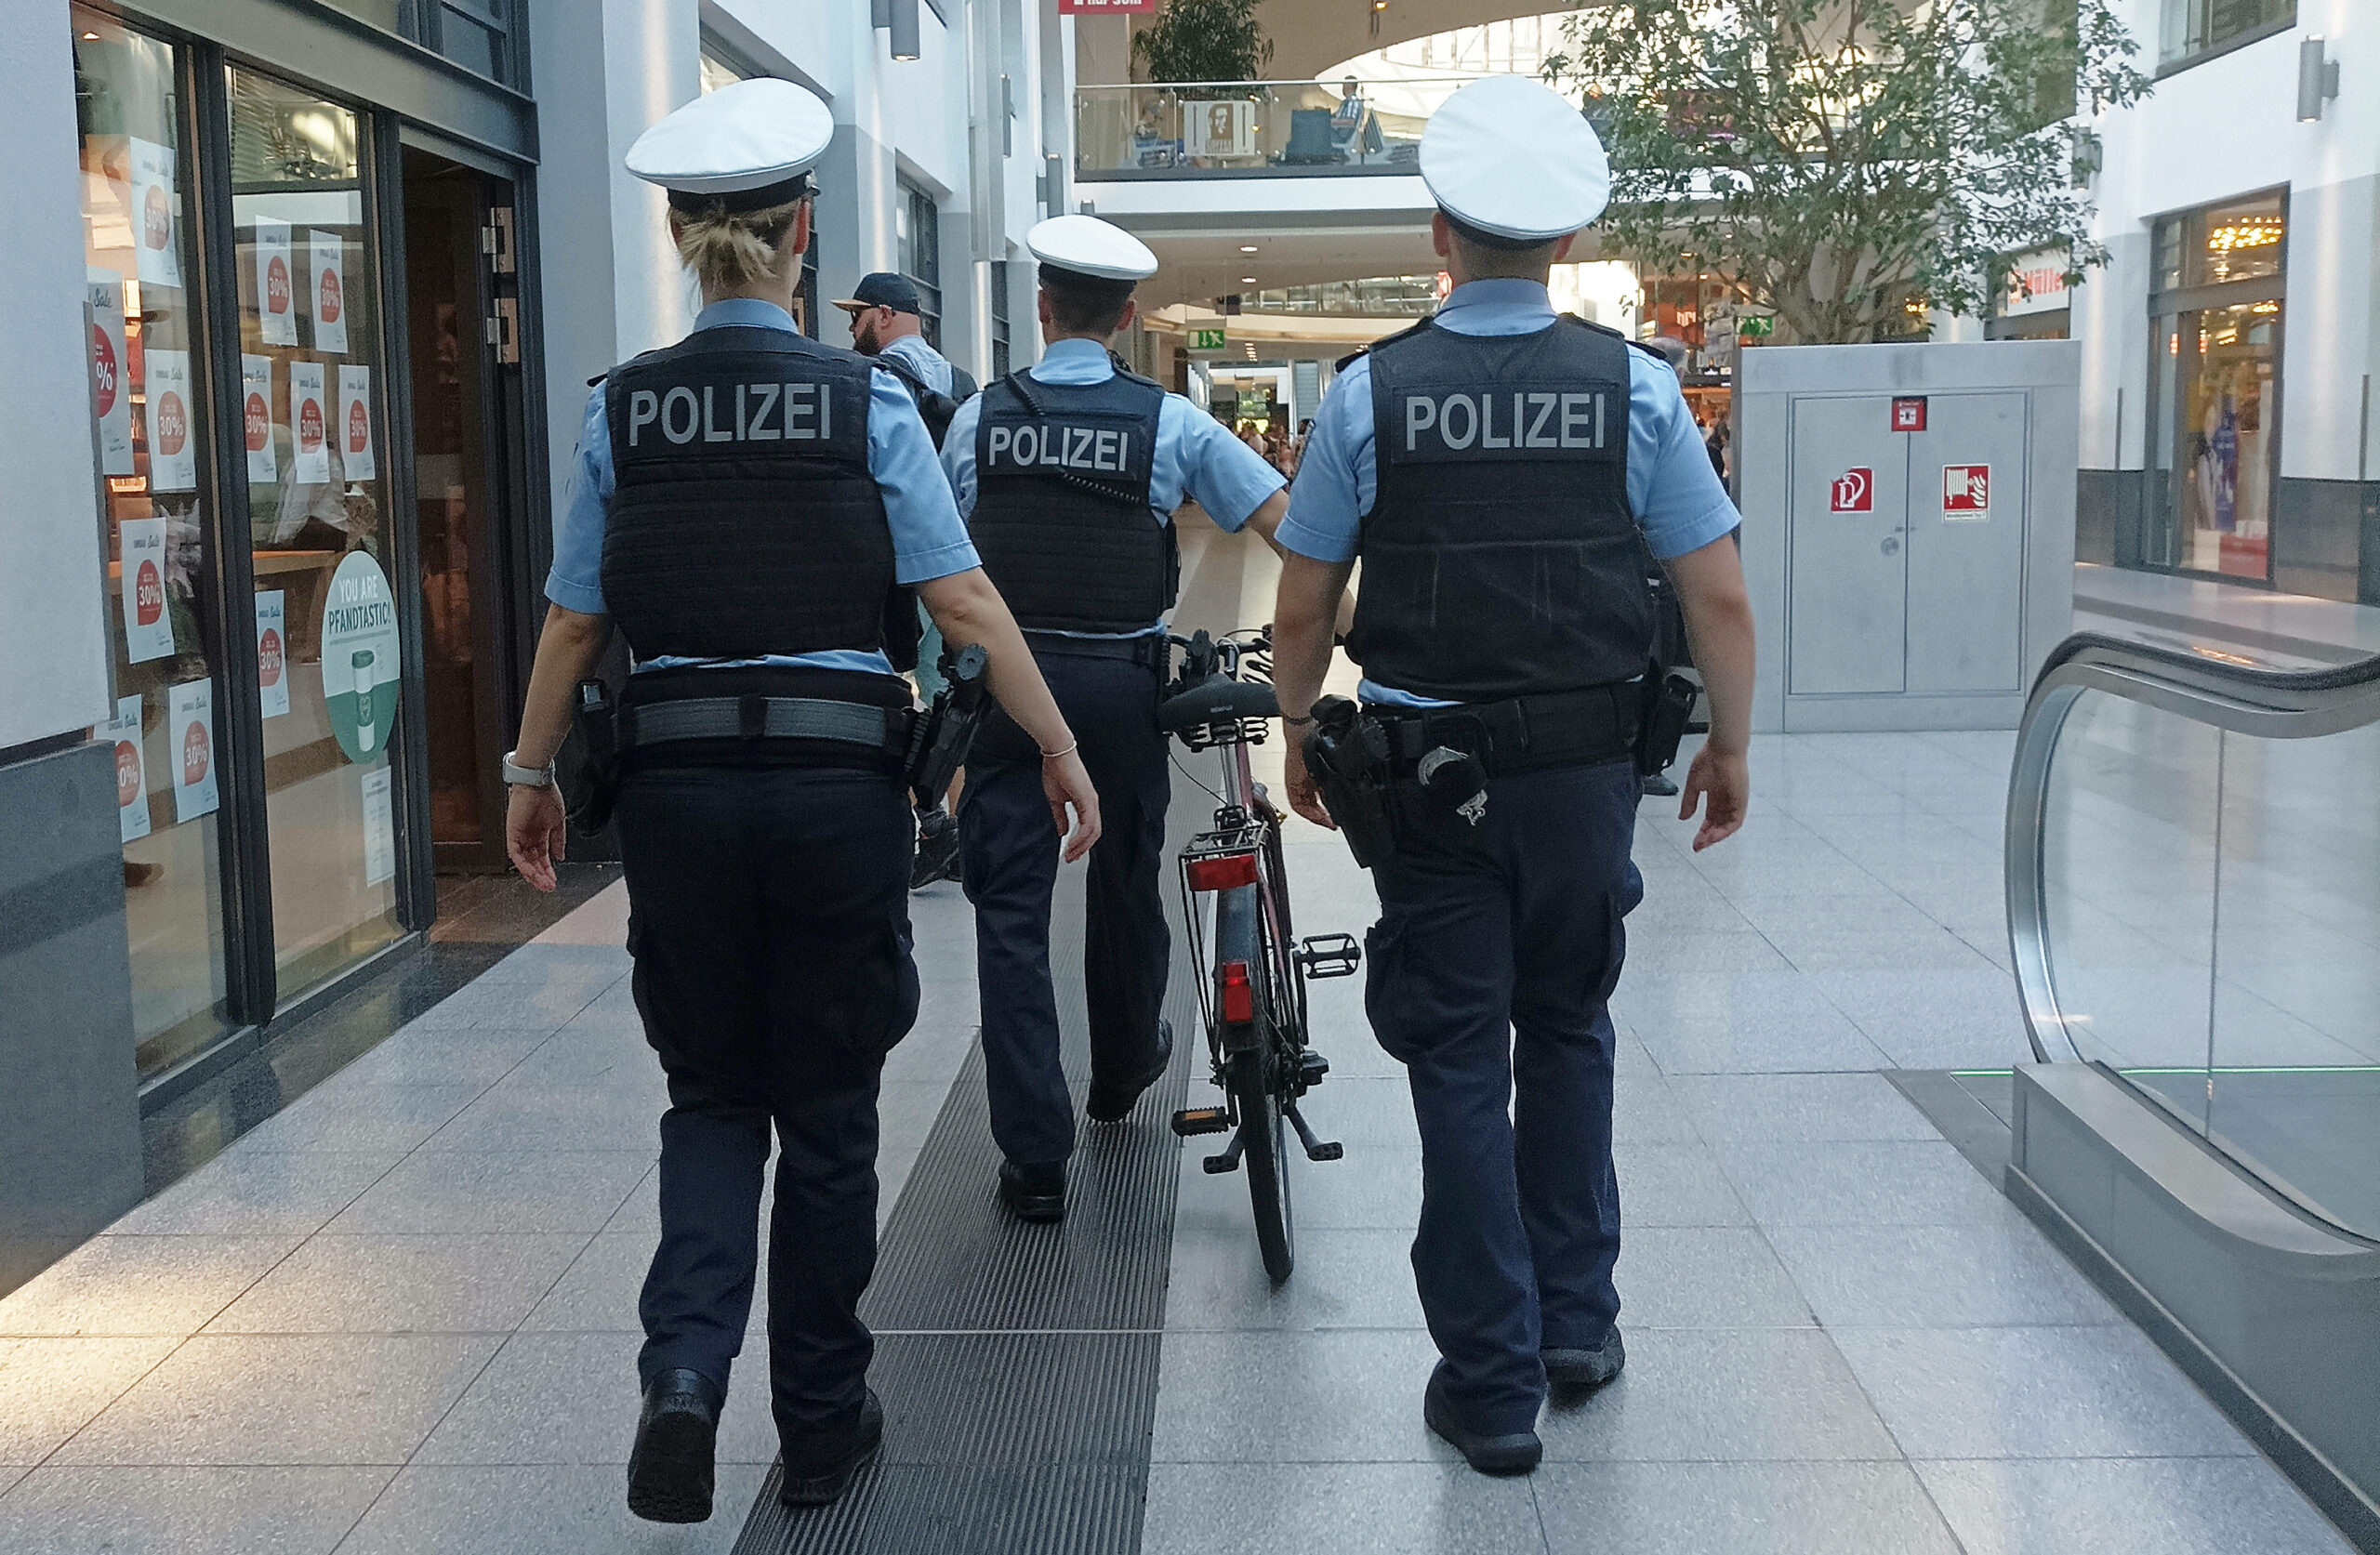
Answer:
(1377, 7)
(2318, 80)
(900, 17)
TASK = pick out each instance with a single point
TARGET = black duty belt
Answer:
(755, 719)
(1559, 728)
(1148, 648)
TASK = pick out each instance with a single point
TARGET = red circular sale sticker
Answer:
(156, 217)
(327, 309)
(259, 423)
(173, 424)
(104, 368)
(276, 286)
(127, 773)
(195, 754)
(148, 595)
(309, 425)
(359, 428)
(269, 657)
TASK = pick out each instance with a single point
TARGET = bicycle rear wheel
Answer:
(1248, 1072)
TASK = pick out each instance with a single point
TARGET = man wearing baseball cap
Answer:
(888, 323)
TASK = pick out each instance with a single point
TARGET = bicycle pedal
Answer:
(1216, 1165)
(1312, 1068)
(1192, 1121)
(1328, 956)
(1327, 1150)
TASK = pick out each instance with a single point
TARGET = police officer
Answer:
(1495, 466)
(743, 503)
(1070, 473)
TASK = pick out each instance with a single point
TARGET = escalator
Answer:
(2194, 874)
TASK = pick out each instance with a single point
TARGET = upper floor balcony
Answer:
(1254, 129)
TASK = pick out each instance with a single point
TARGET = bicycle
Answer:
(1252, 1001)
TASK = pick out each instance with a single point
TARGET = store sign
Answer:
(272, 652)
(255, 416)
(1855, 491)
(110, 373)
(1207, 340)
(157, 257)
(359, 666)
(1909, 414)
(356, 460)
(148, 625)
(191, 723)
(276, 295)
(131, 774)
(1223, 129)
(310, 464)
(1104, 8)
(1967, 492)
(328, 253)
(2036, 283)
(173, 452)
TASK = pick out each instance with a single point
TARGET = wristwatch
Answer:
(518, 776)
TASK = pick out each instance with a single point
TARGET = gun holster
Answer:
(938, 743)
(1347, 754)
(1669, 704)
(589, 788)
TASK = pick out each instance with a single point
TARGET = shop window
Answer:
(2194, 28)
(150, 381)
(917, 222)
(314, 386)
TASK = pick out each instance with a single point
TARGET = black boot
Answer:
(1574, 1373)
(1034, 1190)
(670, 1470)
(819, 1463)
(1113, 1103)
(1515, 1452)
(937, 856)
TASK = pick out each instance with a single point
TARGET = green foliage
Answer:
(1204, 40)
(1848, 164)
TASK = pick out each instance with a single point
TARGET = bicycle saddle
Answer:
(1217, 699)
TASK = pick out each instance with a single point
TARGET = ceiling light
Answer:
(1248, 249)
(1247, 280)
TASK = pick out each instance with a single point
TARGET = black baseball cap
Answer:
(884, 290)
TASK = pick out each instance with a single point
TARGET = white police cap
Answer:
(1089, 246)
(743, 148)
(1515, 159)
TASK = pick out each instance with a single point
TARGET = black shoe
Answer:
(669, 1471)
(1034, 1192)
(1576, 1373)
(937, 856)
(1109, 1104)
(1517, 1453)
(819, 1463)
(1660, 786)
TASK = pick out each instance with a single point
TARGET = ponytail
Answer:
(727, 250)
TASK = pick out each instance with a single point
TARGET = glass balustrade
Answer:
(1253, 128)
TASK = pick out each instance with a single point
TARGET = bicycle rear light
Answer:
(1221, 872)
(1239, 999)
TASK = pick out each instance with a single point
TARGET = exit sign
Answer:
(1753, 325)
(1207, 339)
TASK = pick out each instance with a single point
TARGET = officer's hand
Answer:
(1305, 794)
(1065, 782)
(1726, 778)
(535, 833)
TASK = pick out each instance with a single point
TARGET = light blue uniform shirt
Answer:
(929, 538)
(1197, 455)
(930, 364)
(1679, 504)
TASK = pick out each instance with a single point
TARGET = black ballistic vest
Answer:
(745, 521)
(1501, 555)
(1062, 513)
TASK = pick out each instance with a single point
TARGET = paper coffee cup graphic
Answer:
(361, 663)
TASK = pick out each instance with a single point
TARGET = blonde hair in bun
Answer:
(731, 249)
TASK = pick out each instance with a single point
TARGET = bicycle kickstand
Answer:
(1315, 1150)
(1228, 1159)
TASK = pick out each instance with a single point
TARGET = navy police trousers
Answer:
(1490, 988)
(768, 914)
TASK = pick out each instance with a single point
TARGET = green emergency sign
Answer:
(1207, 339)
(1756, 325)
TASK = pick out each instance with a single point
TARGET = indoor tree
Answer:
(1204, 40)
(1846, 166)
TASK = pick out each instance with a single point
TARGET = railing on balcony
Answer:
(1225, 129)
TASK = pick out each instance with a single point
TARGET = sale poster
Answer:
(148, 625)
(155, 206)
(380, 828)
(173, 443)
(272, 652)
(276, 296)
(309, 461)
(110, 373)
(189, 724)
(355, 423)
(256, 413)
(328, 252)
(131, 779)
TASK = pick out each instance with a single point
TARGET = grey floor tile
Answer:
(537, 1112)
(1704, 1278)
(1676, 953)
(152, 1511)
(1935, 1276)
(572, 1398)
(597, 1293)
(261, 1192)
(1862, 1182)
(470, 1190)
(1345, 1278)
(1339, 1396)
(2035, 1393)
(1644, 1111)
(1379, 1509)
(547, 1509)
(10, 1475)
(1721, 1395)
(2129, 1506)
(286, 1399)
(1800, 1107)
(344, 1115)
(1673, 1185)
(440, 1055)
(1740, 1509)
(1936, 1018)
(906, 1111)
(459, 1283)
(140, 1284)
(1827, 949)
(1764, 1024)
(640, 1211)
(49, 1388)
